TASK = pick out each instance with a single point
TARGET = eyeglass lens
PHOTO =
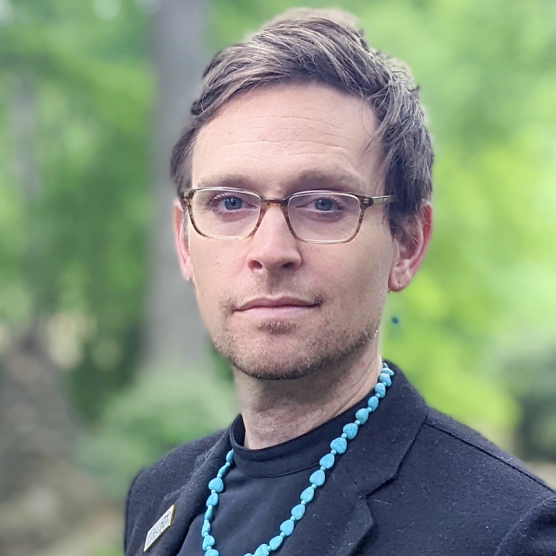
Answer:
(314, 216)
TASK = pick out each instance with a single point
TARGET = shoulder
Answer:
(471, 493)
(153, 484)
(486, 486)
(534, 533)
(175, 468)
(473, 454)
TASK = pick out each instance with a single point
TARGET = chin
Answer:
(269, 372)
(274, 359)
(291, 363)
(278, 350)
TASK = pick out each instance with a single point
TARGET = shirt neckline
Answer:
(292, 456)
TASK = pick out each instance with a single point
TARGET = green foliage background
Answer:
(74, 232)
(73, 237)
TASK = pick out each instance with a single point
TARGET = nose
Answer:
(273, 247)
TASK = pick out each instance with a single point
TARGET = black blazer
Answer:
(413, 483)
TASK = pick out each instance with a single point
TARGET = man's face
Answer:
(277, 307)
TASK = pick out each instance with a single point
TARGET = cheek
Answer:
(376, 251)
(207, 271)
(361, 276)
(215, 265)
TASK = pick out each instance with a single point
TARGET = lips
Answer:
(276, 303)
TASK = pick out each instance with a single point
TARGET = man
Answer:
(304, 198)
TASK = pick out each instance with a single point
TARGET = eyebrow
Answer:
(227, 180)
(308, 179)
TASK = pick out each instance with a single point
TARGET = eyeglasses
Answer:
(311, 216)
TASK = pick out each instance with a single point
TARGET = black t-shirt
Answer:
(262, 487)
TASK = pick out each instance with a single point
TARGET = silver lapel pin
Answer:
(159, 527)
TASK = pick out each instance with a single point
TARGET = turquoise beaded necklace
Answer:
(317, 479)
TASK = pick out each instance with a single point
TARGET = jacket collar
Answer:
(339, 517)
(387, 436)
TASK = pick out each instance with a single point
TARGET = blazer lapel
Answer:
(188, 501)
(336, 521)
(374, 459)
(339, 519)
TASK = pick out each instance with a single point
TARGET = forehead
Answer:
(274, 137)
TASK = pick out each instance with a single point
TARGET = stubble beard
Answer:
(327, 351)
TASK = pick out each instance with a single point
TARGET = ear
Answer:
(180, 242)
(410, 250)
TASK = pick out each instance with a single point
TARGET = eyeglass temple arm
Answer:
(379, 200)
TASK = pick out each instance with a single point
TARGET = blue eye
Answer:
(324, 204)
(233, 203)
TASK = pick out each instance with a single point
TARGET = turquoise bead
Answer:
(263, 550)
(276, 542)
(212, 500)
(351, 430)
(298, 512)
(205, 530)
(380, 390)
(317, 478)
(248, 554)
(339, 444)
(224, 469)
(208, 514)
(327, 461)
(208, 541)
(212, 552)
(385, 379)
(216, 484)
(387, 370)
(307, 495)
(230, 456)
(373, 403)
(362, 415)
(287, 527)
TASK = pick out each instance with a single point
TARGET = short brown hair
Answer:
(323, 47)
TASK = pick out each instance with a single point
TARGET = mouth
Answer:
(273, 302)
(277, 307)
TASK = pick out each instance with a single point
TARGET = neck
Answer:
(275, 411)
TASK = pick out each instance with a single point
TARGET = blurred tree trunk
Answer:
(42, 495)
(175, 335)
